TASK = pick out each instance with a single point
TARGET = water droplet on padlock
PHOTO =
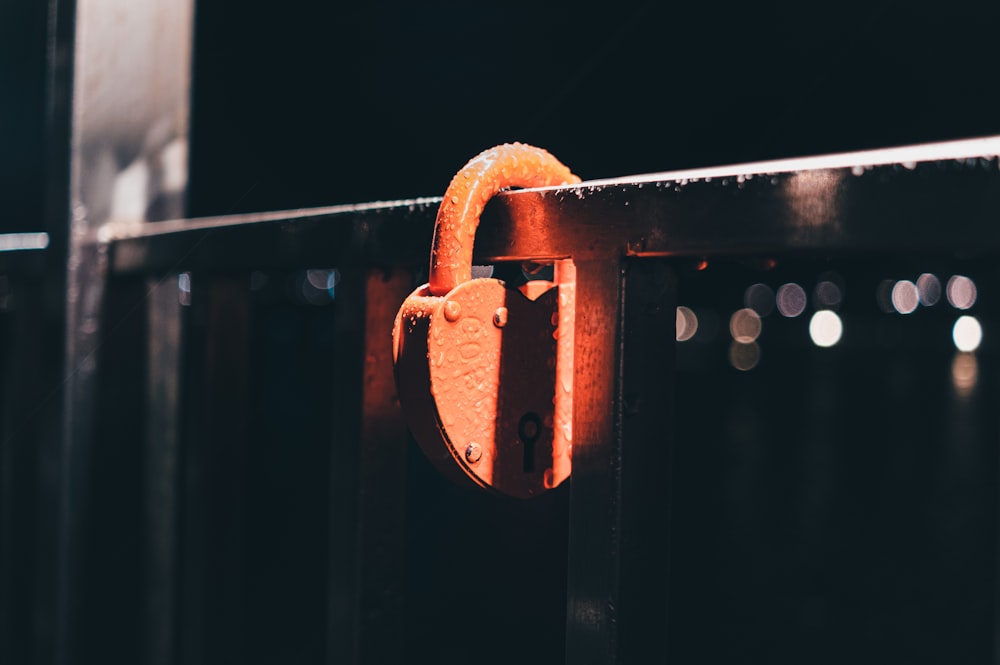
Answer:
(473, 453)
(500, 317)
(469, 350)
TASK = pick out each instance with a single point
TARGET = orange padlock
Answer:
(484, 370)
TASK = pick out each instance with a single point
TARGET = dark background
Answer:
(304, 103)
(313, 103)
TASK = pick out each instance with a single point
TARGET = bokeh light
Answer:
(967, 333)
(316, 286)
(827, 295)
(184, 289)
(929, 289)
(759, 298)
(964, 373)
(961, 292)
(744, 357)
(744, 325)
(825, 328)
(687, 323)
(905, 297)
(791, 300)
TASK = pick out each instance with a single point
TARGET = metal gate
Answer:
(785, 448)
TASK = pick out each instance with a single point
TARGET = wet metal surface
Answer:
(940, 193)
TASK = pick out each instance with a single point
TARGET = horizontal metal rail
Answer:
(919, 198)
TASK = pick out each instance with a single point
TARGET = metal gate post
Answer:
(162, 466)
(368, 473)
(619, 505)
(117, 127)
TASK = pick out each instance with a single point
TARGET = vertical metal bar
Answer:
(162, 463)
(592, 575)
(368, 473)
(617, 577)
(227, 377)
(85, 291)
(382, 487)
(214, 474)
(343, 620)
(193, 578)
(647, 385)
(45, 420)
(107, 566)
(117, 109)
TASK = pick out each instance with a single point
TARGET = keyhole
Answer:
(529, 429)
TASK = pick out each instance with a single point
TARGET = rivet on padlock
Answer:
(484, 370)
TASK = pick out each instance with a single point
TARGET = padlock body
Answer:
(476, 374)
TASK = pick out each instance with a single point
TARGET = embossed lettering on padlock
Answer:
(478, 363)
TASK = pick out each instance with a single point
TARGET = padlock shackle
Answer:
(486, 174)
